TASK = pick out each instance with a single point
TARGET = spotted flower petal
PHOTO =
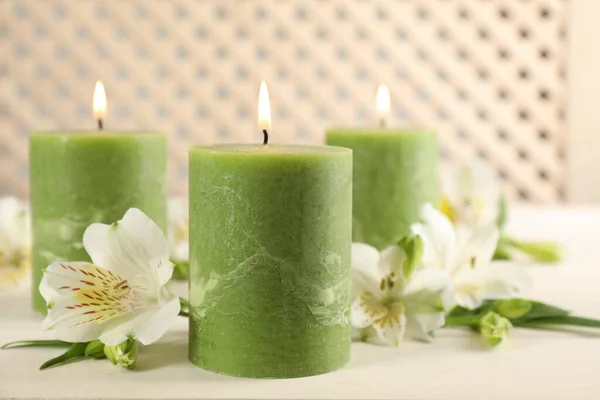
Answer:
(122, 295)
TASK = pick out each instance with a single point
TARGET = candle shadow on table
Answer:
(367, 354)
(172, 351)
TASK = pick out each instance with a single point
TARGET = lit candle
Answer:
(270, 240)
(81, 177)
(383, 104)
(395, 173)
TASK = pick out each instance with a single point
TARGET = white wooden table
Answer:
(532, 365)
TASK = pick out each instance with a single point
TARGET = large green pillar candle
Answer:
(79, 178)
(395, 173)
(270, 241)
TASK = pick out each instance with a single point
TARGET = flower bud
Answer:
(95, 349)
(124, 354)
(512, 308)
(543, 252)
(494, 328)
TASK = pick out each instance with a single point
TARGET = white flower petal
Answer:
(365, 310)
(439, 238)
(46, 291)
(450, 184)
(473, 192)
(429, 288)
(392, 259)
(495, 281)
(11, 212)
(366, 274)
(146, 325)
(468, 296)
(181, 251)
(504, 280)
(133, 247)
(178, 208)
(391, 327)
(477, 245)
(422, 326)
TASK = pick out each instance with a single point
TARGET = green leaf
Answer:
(36, 343)
(540, 310)
(413, 247)
(460, 316)
(464, 320)
(459, 311)
(561, 320)
(77, 350)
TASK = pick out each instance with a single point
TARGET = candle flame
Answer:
(264, 108)
(99, 101)
(383, 101)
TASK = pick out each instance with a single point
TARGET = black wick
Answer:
(100, 123)
(266, 140)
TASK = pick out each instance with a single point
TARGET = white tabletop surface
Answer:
(531, 365)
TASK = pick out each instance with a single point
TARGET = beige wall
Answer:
(488, 75)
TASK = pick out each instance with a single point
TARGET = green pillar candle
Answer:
(270, 241)
(395, 173)
(79, 178)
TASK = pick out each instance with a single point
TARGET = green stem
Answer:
(77, 350)
(35, 343)
(185, 307)
(184, 303)
(565, 320)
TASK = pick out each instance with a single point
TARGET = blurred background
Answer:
(491, 76)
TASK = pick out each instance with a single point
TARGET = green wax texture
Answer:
(395, 173)
(78, 178)
(270, 238)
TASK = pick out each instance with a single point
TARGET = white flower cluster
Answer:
(454, 268)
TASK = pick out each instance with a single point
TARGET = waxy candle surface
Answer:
(395, 173)
(79, 178)
(270, 237)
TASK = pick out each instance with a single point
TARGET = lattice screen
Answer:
(487, 74)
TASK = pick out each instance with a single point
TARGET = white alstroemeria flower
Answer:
(389, 304)
(15, 240)
(470, 194)
(466, 254)
(179, 229)
(121, 294)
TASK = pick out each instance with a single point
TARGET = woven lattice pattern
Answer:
(488, 75)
